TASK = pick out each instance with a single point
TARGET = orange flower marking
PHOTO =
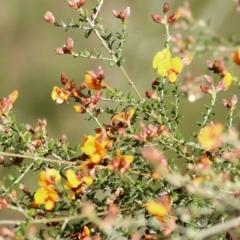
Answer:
(47, 196)
(48, 178)
(210, 137)
(60, 95)
(236, 56)
(167, 66)
(121, 162)
(93, 82)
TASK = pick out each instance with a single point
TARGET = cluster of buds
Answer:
(217, 66)
(122, 15)
(67, 48)
(93, 81)
(230, 104)
(120, 121)
(35, 137)
(223, 85)
(151, 131)
(120, 163)
(164, 20)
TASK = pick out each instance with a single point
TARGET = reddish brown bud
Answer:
(64, 79)
(152, 95)
(23, 188)
(226, 103)
(158, 19)
(166, 8)
(67, 48)
(174, 17)
(72, 84)
(49, 17)
(206, 89)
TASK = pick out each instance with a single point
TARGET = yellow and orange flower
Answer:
(93, 82)
(167, 66)
(48, 178)
(124, 118)
(96, 147)
(121, 162)
(47, 196)
(60, 95)
(75, 182)
(210, 137)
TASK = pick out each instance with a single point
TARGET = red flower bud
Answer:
(166, 8)
(64, 79)
(158, 19)
(206, 89)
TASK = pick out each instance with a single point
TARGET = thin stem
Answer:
(221, 227)
(213, 101)
(114, 57)
(39, 158)
(22, 175)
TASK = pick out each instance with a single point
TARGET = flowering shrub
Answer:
(121, 183)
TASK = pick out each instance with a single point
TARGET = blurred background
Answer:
(29, 64)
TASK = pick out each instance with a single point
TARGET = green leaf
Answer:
(86, 53)
(98, 19)
(111, 63)
(88, 33)
(71, 21)
(10, 177)
(38, 162)
(52, 233)
(199, 123)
